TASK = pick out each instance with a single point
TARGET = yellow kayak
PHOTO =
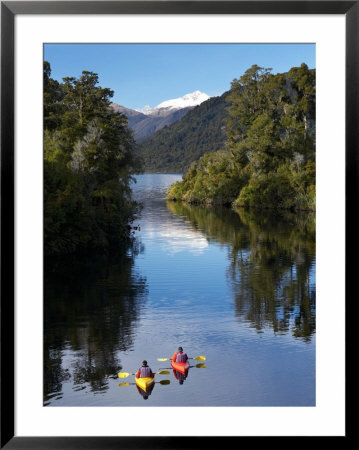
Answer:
(145, 383)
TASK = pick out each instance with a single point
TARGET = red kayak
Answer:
(180, 366)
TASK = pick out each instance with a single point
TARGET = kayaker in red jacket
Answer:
(144, 371)
(179, 356)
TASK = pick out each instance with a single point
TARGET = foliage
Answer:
(88, 166)
(213, 180)
(269, 155)
(176, 146)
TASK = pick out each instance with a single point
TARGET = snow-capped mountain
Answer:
(145, 110)
(146, 121)
(187, 101)
(144, 125)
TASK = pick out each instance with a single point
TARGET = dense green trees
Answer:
(214, 179)
(175, 147)
(88, 165)
(269, 156)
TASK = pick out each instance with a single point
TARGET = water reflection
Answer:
(180, 376)
(159, 225)
(90, 311)
(274, 280)
(145, 394)
(175, 238)
(238, 286)
(271, 264)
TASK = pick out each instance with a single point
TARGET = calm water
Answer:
(237, 287)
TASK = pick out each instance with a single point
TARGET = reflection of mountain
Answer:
(90, 309)
(272, 265)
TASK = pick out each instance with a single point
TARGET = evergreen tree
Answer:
(88, 166)
(270, 146)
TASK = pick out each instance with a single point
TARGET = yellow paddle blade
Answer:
(200, 358)
(163, 359)
(201, 366)
(165, 382)
(124, 384)
(164, 372)
(124, 374)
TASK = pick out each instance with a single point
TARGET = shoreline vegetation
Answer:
(89, 164)
(268, 160)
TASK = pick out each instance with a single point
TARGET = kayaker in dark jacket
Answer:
(179, 356)
(144, 371)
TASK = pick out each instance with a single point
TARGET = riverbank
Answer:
(227, 186)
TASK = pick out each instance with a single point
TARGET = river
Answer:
(235, 286)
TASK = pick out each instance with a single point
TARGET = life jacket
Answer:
(181, 357)
(145, 372)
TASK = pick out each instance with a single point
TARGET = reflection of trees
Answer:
(272, 278)
(90, 306)
(272, 259)
(219, 224)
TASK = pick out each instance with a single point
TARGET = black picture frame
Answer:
(9, 9)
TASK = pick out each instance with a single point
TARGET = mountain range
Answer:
(185, 138)
(189, 100)
(147, 121)
(174, 147)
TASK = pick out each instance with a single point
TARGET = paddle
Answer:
(197, 358)
(198, 366)
(126, 374)
(157, 382)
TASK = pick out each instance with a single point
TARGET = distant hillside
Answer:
(144, 126)
(270, 148)
(133, 117)
(145, 122)
(174, 147)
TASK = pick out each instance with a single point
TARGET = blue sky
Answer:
(148, 74)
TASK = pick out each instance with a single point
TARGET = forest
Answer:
(176, 146)
(253, 147)
(268, 156)
(88, 166)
